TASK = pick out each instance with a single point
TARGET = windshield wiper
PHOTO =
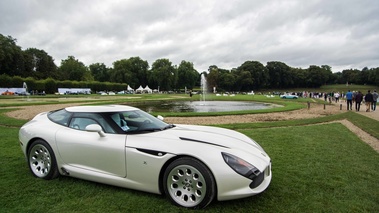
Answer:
(155, 129)
(169, 126)
(150, 130)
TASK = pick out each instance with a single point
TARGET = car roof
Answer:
(101, 108)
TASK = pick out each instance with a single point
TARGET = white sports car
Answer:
(289, 96)
(127, 147)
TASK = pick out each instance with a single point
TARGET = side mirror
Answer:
(160, 117)
(95, 128)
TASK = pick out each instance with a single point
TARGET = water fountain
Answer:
(24, 86)
(204, 87)
(202, 105)
(25, 91)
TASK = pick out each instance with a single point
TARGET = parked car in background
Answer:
(289, 96)
(251, 93)
(23, 94)
(7, 93)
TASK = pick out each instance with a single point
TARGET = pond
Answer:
(200, 106)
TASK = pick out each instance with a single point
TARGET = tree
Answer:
(39, 64)
(364, 76)
(227, 81)
(163, 75)
(100, 72)
(212, 77)
(120, 72)
(318, 76)
(139, 69)
(244, 80)
(259, 74)
(299, 77)
(11, 57)
(187, 75)
(73, 69)
(5, 80)
(132, 71)
(373, 76)
(280, 75)
(351, 76)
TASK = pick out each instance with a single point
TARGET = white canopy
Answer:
(147, 89)
(140, 89)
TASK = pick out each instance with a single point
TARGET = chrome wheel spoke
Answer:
(40, 160)
(186, 185)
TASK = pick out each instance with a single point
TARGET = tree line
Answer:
(36, 64)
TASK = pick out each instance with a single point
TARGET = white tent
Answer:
(130, 89)
(140, 89)
(147, 89)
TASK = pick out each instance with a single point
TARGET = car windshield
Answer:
(138, 121)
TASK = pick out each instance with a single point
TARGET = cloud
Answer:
(341, 34)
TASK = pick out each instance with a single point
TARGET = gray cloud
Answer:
(340, 33)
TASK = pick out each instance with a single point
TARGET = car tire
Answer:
(41, 160)
(189, 183)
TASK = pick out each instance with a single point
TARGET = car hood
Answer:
(213, 136)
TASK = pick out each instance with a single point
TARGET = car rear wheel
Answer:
(189, 183)
(41, 160)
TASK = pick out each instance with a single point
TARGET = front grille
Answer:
(257, 180)
(260, 178)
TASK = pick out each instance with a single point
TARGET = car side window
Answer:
(60, 116)
(82, 119)
(119, 119)
(81, 123)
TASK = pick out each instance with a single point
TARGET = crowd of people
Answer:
(351, 98)
(370, 100)
(356, 98)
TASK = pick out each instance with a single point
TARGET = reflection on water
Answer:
(199, 106)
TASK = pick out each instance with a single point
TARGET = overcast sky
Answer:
(340, 33)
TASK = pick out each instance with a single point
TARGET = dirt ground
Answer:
(316, 110)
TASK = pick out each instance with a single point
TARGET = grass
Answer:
(8, 121)
(316, 168)
(321, 168)
(370, 125)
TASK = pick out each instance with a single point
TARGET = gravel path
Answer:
(316, 110)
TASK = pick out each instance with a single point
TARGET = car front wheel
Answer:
(42, 161)
(189, 183)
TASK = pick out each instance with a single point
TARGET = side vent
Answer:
(152, 152)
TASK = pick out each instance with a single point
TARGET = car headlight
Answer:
(241, 166)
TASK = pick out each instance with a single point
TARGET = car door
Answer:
(89, 151)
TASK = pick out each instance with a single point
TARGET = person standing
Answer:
(368, 100)
(375, 97)
(337, 96)
(358, 100)
(349, 99)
